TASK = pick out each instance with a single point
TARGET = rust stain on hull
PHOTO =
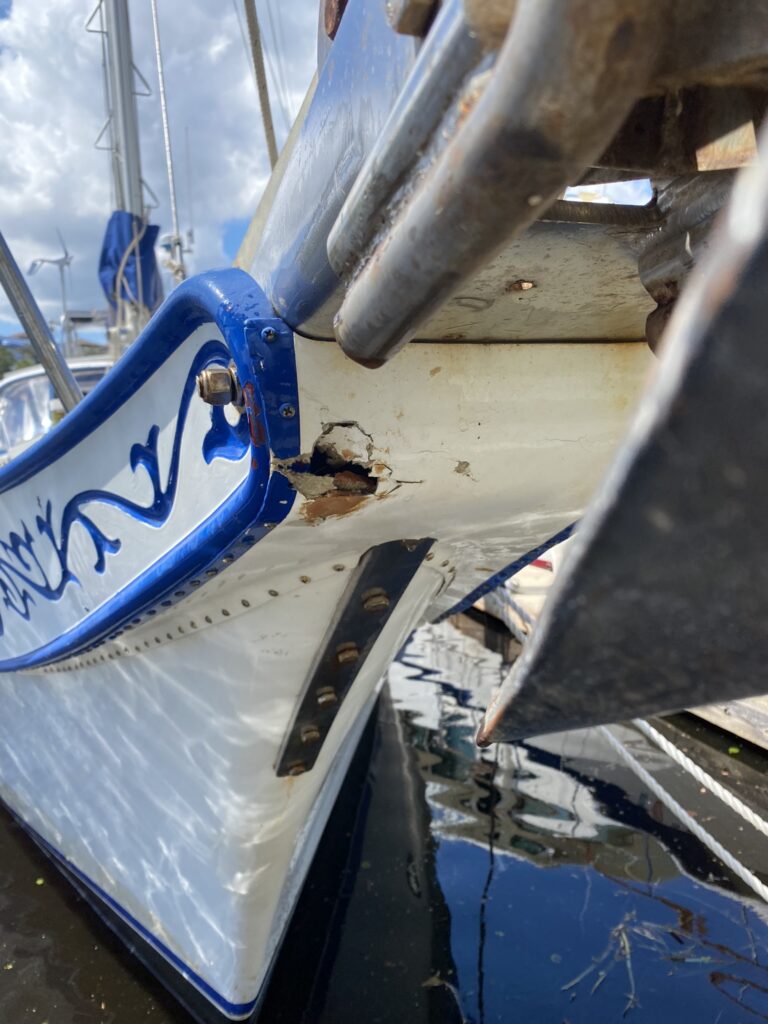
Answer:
(334, 504)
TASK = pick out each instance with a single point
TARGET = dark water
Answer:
(538, 882)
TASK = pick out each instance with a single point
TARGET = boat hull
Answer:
(146, 750)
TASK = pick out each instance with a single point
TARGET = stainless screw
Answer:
(287, 411)
(346, 653)
(375, 601)
(326, 696)
(310, 734)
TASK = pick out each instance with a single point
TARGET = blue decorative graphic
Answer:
(35, 564)
(225, 440)
(22, 575)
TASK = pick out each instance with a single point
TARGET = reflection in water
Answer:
(562, 878)
(535, 882)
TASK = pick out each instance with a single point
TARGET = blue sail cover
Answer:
(140, 278)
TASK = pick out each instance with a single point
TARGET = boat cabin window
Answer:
(25, 411)
(29, 407)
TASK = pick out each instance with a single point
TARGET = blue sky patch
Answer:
(232, 234)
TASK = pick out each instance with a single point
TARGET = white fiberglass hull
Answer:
(149, 760)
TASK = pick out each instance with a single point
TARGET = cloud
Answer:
(52, 109)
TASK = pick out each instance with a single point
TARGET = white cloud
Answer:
(52, 108)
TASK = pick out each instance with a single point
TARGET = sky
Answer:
(52, 109)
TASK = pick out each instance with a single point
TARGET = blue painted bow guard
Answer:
(261, 347)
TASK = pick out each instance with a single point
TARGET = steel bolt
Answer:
(287, 411)
(310, 734)
(375, 601)
(268, 334)
(346, 653)
(297, 768)
(218, 385)
(326, 696)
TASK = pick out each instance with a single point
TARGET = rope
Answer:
(177, 249)
(690, 823)
(508, 600)
(120, 280)
(724, 794)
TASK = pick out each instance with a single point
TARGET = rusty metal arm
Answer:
(565, 79)
(447, 56)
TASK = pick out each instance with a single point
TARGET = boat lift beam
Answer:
(36, 329)
(565, 79)
(663, 601)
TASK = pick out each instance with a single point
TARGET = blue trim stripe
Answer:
(503, 574)
(237, 1011)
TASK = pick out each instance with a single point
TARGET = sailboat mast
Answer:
(126, 157)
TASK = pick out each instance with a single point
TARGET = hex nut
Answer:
(218, 385)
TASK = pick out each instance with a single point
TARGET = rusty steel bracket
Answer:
(371, 596)
(688, 208)
(663, 602)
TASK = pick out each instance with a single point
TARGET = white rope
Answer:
(518, 609)
(690, 823)
(701, 776)
(177, 249)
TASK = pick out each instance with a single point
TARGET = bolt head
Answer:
(347, 653)
(326, 696)
(375, 601)
(269, 334)
(297, 768)
(287, 411)
(310, 734)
